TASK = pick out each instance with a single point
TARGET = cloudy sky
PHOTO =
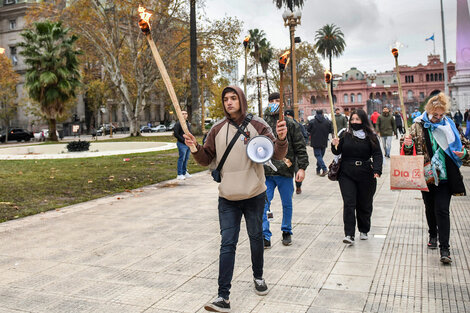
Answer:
(370, 27)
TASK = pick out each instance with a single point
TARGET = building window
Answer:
(421, 95)
(409, 79)
(12, 24)
(313, 100)
(440, 77)
(334, 99)
(352, 98)
(427, 77)
(410, 94)
(13, 56)
(359, 97)
(435, 77)
(345, 98)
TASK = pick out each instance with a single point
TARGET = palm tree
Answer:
(291, 4)
(266, 54)
(257, 39)
(52, 76)
(330, 42)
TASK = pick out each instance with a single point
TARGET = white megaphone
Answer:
(260, 149)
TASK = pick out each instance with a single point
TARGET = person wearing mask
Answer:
(242, 188)
(386, 128)
(290, 113)
(436, 137)
(415, 114)
(361, 165)
(286, 169)
(398, 123)
(183, 150)
(319, 128)
(341, 120)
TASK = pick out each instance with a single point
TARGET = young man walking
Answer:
(242, 191)
(319, 128)
(282, 178)
(290, 113)
(183, 150)
(386, 128)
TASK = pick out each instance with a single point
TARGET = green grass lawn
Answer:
(33, 186)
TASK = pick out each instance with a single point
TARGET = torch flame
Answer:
(144, 14)
(284, 58)
(247, 38)
(328, 76)
(395, 52)
(2, 50)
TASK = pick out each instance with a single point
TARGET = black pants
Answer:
(230, 215)
(437, 202)
(358, 194)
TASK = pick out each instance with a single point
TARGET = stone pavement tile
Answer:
(66, 286)
(101, 290)
(212, 271)
(111, 307)
(200, 285)
(71, 305)
(353, 269)
(292, 294)
(276, 307)
(30, 265)
(272, 276)
(187, 267)
(154, 263)
(34, 282)
(341, 299)
(11, 276)
(6, 310)
(181, 302)
(140, 296)
(306, 279)
(318, 309)
(352, 255)
(348, 282)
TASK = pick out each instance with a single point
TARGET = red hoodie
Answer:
(374, 117)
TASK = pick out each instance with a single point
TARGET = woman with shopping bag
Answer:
(436, 137)
(360, 166)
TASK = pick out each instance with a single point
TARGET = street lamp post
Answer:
(292, 19)
(201, 65)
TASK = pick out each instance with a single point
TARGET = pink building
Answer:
(372, 91)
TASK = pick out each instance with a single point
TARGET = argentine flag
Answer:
(430, 38)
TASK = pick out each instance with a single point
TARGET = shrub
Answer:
(77, 146)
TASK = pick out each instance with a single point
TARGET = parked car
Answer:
(171, 126)
(17, 134)
(145, 129)
(158, 128)
(105, 129)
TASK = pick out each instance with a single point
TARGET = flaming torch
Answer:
(400, 91)
(144, 25)
(329, 81)
(283, 61)
(2, 50)
(246, 44)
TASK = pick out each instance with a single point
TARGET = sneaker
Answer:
(318, 173)
(445, 256)
(323, 173)
(432, 244)
(298, 190)
(286, 238)
(218, 305)
(349, 240)
(261, 289)
(187, 175)
(180, 177)
(267, 244)
(363, 236)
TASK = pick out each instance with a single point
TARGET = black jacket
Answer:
(178, 131)
(319, 128)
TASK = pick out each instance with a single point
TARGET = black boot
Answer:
(445, 256)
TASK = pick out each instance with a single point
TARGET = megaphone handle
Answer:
(271, 165)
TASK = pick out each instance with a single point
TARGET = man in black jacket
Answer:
(319, 128)
(183, 149)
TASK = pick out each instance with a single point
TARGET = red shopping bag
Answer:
(407, 172)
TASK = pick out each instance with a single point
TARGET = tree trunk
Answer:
(267, 82)
(52, 130)
(195, 117)
(258, 82)
(134, 127)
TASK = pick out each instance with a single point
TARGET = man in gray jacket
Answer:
(386, 128)
(341, 121)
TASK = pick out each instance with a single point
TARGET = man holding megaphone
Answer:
(242, 189)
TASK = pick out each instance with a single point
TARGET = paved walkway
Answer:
(156, 250)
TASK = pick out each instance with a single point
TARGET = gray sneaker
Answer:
(349, 240)
(218, 305)
(261, 289)
(363, 236)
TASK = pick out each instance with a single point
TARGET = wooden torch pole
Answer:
(400, 91)
(329, 81)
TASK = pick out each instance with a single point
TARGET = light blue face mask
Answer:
(273, 107)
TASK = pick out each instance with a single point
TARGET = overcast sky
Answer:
(370, 27)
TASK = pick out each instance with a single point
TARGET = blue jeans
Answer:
(319, 153)
(286, 190)
(387, 144)
(183, 158)
(230, 215)
(467, 130)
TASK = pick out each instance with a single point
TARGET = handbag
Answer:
(406, 172)
(427, 169)
(216, 175)
(333, 169)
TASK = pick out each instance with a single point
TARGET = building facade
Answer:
(372, 91)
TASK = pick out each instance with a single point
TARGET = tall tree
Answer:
(195, 116)
(329, 42)
(291, 4)
(52, 75)
(8, 95)
(266, 56)
(257, 39)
